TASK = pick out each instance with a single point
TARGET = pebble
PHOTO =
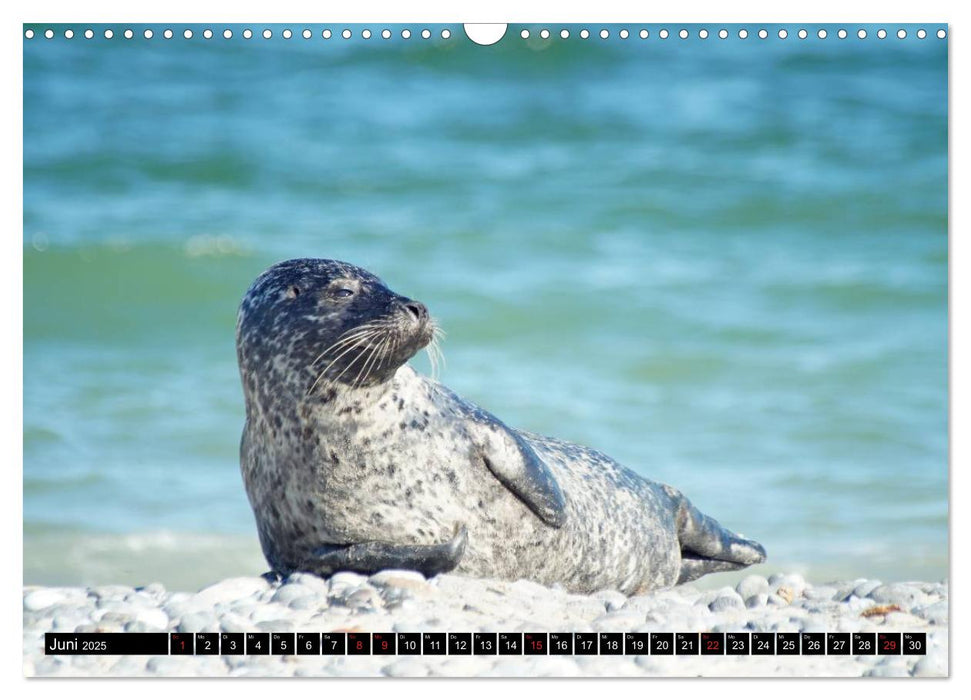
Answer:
(42, 598)
(752, 585)
(231, 590)
(726, 602)
(291, 591)
(757, 601)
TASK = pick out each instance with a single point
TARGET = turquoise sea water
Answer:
(722, 262)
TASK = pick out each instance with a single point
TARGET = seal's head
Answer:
(308, 327)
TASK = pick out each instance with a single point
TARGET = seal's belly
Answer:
(413, 484)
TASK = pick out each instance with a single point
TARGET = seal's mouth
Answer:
(372, 352)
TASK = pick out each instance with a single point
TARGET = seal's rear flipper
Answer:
(707, 547)
(370, 557)
(693, 567)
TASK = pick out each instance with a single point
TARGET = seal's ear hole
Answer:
(293, 292)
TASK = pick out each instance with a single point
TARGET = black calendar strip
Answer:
(490, 643)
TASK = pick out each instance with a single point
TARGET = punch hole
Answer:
(544, 34)
(803, 33)
(763, 34)
(663, 33)
(326, 34)
(168, 34)
(584, 34)
(346, 33)
(446, 34)
(366, 34)
(881, 33)
(405, 33)
(683, 34)
(644, 34)
(187, 33)
(228, 34)
(941, 34)
(743, 34)
(841, 33)
(901, 33)
(783, 33)
(109, 34)
(426, 34)
(49, 34)
(29, 34)
(703, 33)
(287, 34)
(861, 33)
(247, 33)
(306, 34)
(69, 34)
(604, 33)
(624, 33)
(267, 34)
(524, 34)
(207, 34)
(149, 33)
(564, 34)
(921, 34)
(821, 33)
(129, 34)
(386, 34)
(722, 33)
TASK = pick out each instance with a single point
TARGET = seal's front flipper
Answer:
(707, 547)
(518, 468)
(370, 557)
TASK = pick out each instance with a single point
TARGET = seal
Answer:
(354, 461)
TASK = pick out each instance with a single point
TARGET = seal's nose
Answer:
(418, 311)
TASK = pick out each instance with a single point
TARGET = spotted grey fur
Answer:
(354, 461)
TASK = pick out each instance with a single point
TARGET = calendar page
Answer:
(505, 350)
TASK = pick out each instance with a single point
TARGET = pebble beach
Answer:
(404, 601)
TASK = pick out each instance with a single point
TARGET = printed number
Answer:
(359, 645)
(460, 644)
(838, 644)
(865, 644)
(309, 645)
(788, 645)
(738, 644)
(208, 645)
(712, 645)
(685, 644)
(487, 644)
(586, 643)
(333, 644)
(762, 644)
(232, 645)
(611, 644)
(409, 644)
(915, 645)
(637, 644)
(283, 644)
(257, 645)
(662, 645)
(889, 645)
(813, 645)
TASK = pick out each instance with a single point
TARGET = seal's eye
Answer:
(293, 292)
(344, 292)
